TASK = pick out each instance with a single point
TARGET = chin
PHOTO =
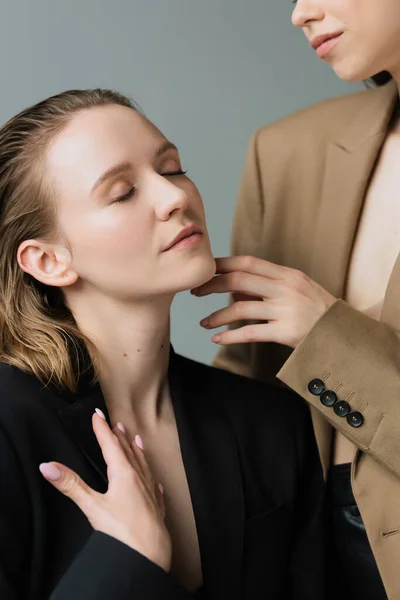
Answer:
(352, 73)
(198, 271)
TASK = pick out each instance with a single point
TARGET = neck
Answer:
(132, 343)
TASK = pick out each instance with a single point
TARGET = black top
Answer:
(354, 570)
(254, 476)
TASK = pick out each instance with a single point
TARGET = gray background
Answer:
(207, 72)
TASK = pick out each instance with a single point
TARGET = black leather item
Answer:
(342, 408)
(316, 387)
(354, 574)
(328, 398)
(355, 419)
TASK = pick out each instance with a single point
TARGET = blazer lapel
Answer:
(349, 164)
(77, 420)
(210, 458)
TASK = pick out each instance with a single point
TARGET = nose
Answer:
(307, 11)
(169, 198)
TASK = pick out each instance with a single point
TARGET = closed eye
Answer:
(132, 191)
(174, 173)
(127, 196)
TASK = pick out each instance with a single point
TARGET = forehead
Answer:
(97, 138)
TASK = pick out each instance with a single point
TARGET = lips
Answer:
(184, 233)
(317, 41)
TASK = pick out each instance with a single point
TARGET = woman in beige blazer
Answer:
(320, 201)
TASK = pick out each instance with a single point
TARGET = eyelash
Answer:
(132, 191)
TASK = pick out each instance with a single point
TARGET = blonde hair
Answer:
(38, 333)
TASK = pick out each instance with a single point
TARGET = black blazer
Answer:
(254, 476)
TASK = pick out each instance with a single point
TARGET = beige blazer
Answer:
(300, 200)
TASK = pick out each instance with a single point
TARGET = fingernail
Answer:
(139, 441)
(194, 292)
(204, 322)
(161, 488)
(50, 471)
(100, 413)
(121, 427)
(216, 339)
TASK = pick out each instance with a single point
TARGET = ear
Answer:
(47, 263)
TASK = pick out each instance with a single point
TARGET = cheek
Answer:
(111, 234)
(371, 19)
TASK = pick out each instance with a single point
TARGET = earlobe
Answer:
(48, 264)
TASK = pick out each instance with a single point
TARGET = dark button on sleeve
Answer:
(355, 419)
(342, 408)
(316, 387)
(328, 398)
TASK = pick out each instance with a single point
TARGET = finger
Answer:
(159, 491)
(252, 285)
(266, 332)
(69, 483)
(120, 432)
(113, 453)
(241, 311)
(155, 489)
(138, 450)
(251, 265)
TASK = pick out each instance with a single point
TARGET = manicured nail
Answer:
(121, 427)
(50, 471)
(194, 292)
(139, 441)
(100, 413)
(161, 488)
(204, 323)
(216, 339)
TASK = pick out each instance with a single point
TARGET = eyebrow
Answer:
(127, 166)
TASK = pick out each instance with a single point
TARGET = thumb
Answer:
(68, 483)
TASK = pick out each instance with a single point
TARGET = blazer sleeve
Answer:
(358, 358)
(246, 239)
(105, 568)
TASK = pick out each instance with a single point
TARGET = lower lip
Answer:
(188, 242)
(325, 48)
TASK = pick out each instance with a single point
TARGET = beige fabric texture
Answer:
(300, 201)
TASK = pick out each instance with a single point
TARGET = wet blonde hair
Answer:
(38, 333)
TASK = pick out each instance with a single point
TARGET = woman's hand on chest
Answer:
(132, 510)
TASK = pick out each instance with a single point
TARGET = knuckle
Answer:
(299, 278)
(70, 485)
(248, 261)
(238, 279)
(239, 309)
(249, 333)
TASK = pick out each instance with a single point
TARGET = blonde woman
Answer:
(99, 228)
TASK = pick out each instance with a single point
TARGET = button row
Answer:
(340, 407)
